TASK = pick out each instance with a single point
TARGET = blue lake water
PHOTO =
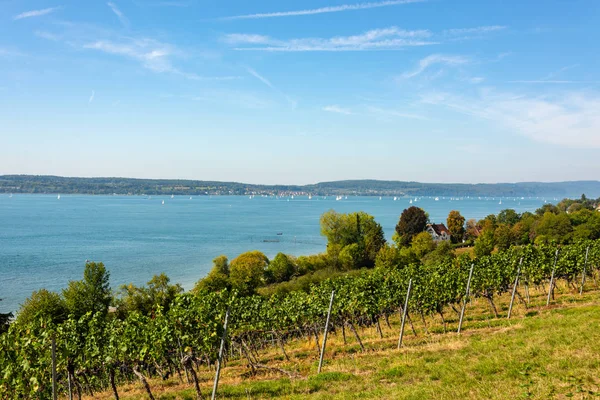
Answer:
(45, 241)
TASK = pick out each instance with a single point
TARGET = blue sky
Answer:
(301, 92)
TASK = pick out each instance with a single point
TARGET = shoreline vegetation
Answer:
(108, 340)
(45, 184)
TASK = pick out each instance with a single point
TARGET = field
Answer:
(540, 353)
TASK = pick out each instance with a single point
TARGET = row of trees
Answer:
(98, 350)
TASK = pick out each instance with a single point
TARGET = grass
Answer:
(541, 353)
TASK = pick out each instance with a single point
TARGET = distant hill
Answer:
(130, 186)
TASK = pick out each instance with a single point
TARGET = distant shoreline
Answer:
(42, 184)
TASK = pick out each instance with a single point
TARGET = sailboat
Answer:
(437, 199)
(500, 201)
(10, 195)
(190, 197)
(58, 198)
(395, 198)
(172, 196)
(163, 202)
(379, 197)
(310, 197)
(410, 202)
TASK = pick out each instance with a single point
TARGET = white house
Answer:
(438, 232)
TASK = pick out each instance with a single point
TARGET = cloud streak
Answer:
(475, 31)
(92, 97)
(323, 10)
(118, 13)
(268, 83)
(337, 109)
(569, 119)
(151, 54)
(35, 13)
(435, 59)
(391, 38)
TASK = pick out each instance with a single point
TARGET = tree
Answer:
(508, 217)
(145, 300)
(280, 269)
(92, 294)
(441, 255)
(43, 304)
(412, 221)
(503, 237)
(484, 245)
(554, 228)
(422, 244)
(456, 226)
(218, 277)
(473, 230)
(359, 229)
(246, 272)
(547, 208)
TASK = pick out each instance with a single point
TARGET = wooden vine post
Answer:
(462, 310)
(404, 312)
(552, 278)
(514, 291)
(54, 391)
(325, 332)
(583, 273)
(220, 358)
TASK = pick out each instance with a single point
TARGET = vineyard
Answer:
(96, 353)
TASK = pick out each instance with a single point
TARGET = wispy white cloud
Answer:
(118, 13)
(92, 97)
(323, 10)
(567, 119)
(35, 13)
(476, 79)
(4, 52)
(47, 35)
(152, 54)
(393, 113)
(267, 82)
(475, 31)
(553, 81)
(435, 59)
(260, 77)
(337, 109)
(377, 39)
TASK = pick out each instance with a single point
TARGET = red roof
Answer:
(440, 228)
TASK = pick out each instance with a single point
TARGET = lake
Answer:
(45, 241)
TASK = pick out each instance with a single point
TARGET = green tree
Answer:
(456, 226)
(359, 229)
(412, 221)
(484, 245)
(145, 300)
(92, 294)
(422, 244)
(503, 236)
(43, 304)
(218, 277)
(280, 269)
(508, 217)
(441, 255)
(551, 208)
(554, 228)
(247, 272)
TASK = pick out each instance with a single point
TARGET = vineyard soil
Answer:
(541, 353)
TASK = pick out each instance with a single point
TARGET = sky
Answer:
(301, 92)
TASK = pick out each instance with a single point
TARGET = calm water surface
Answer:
(45, 241)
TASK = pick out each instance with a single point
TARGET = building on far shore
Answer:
(438, 232)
